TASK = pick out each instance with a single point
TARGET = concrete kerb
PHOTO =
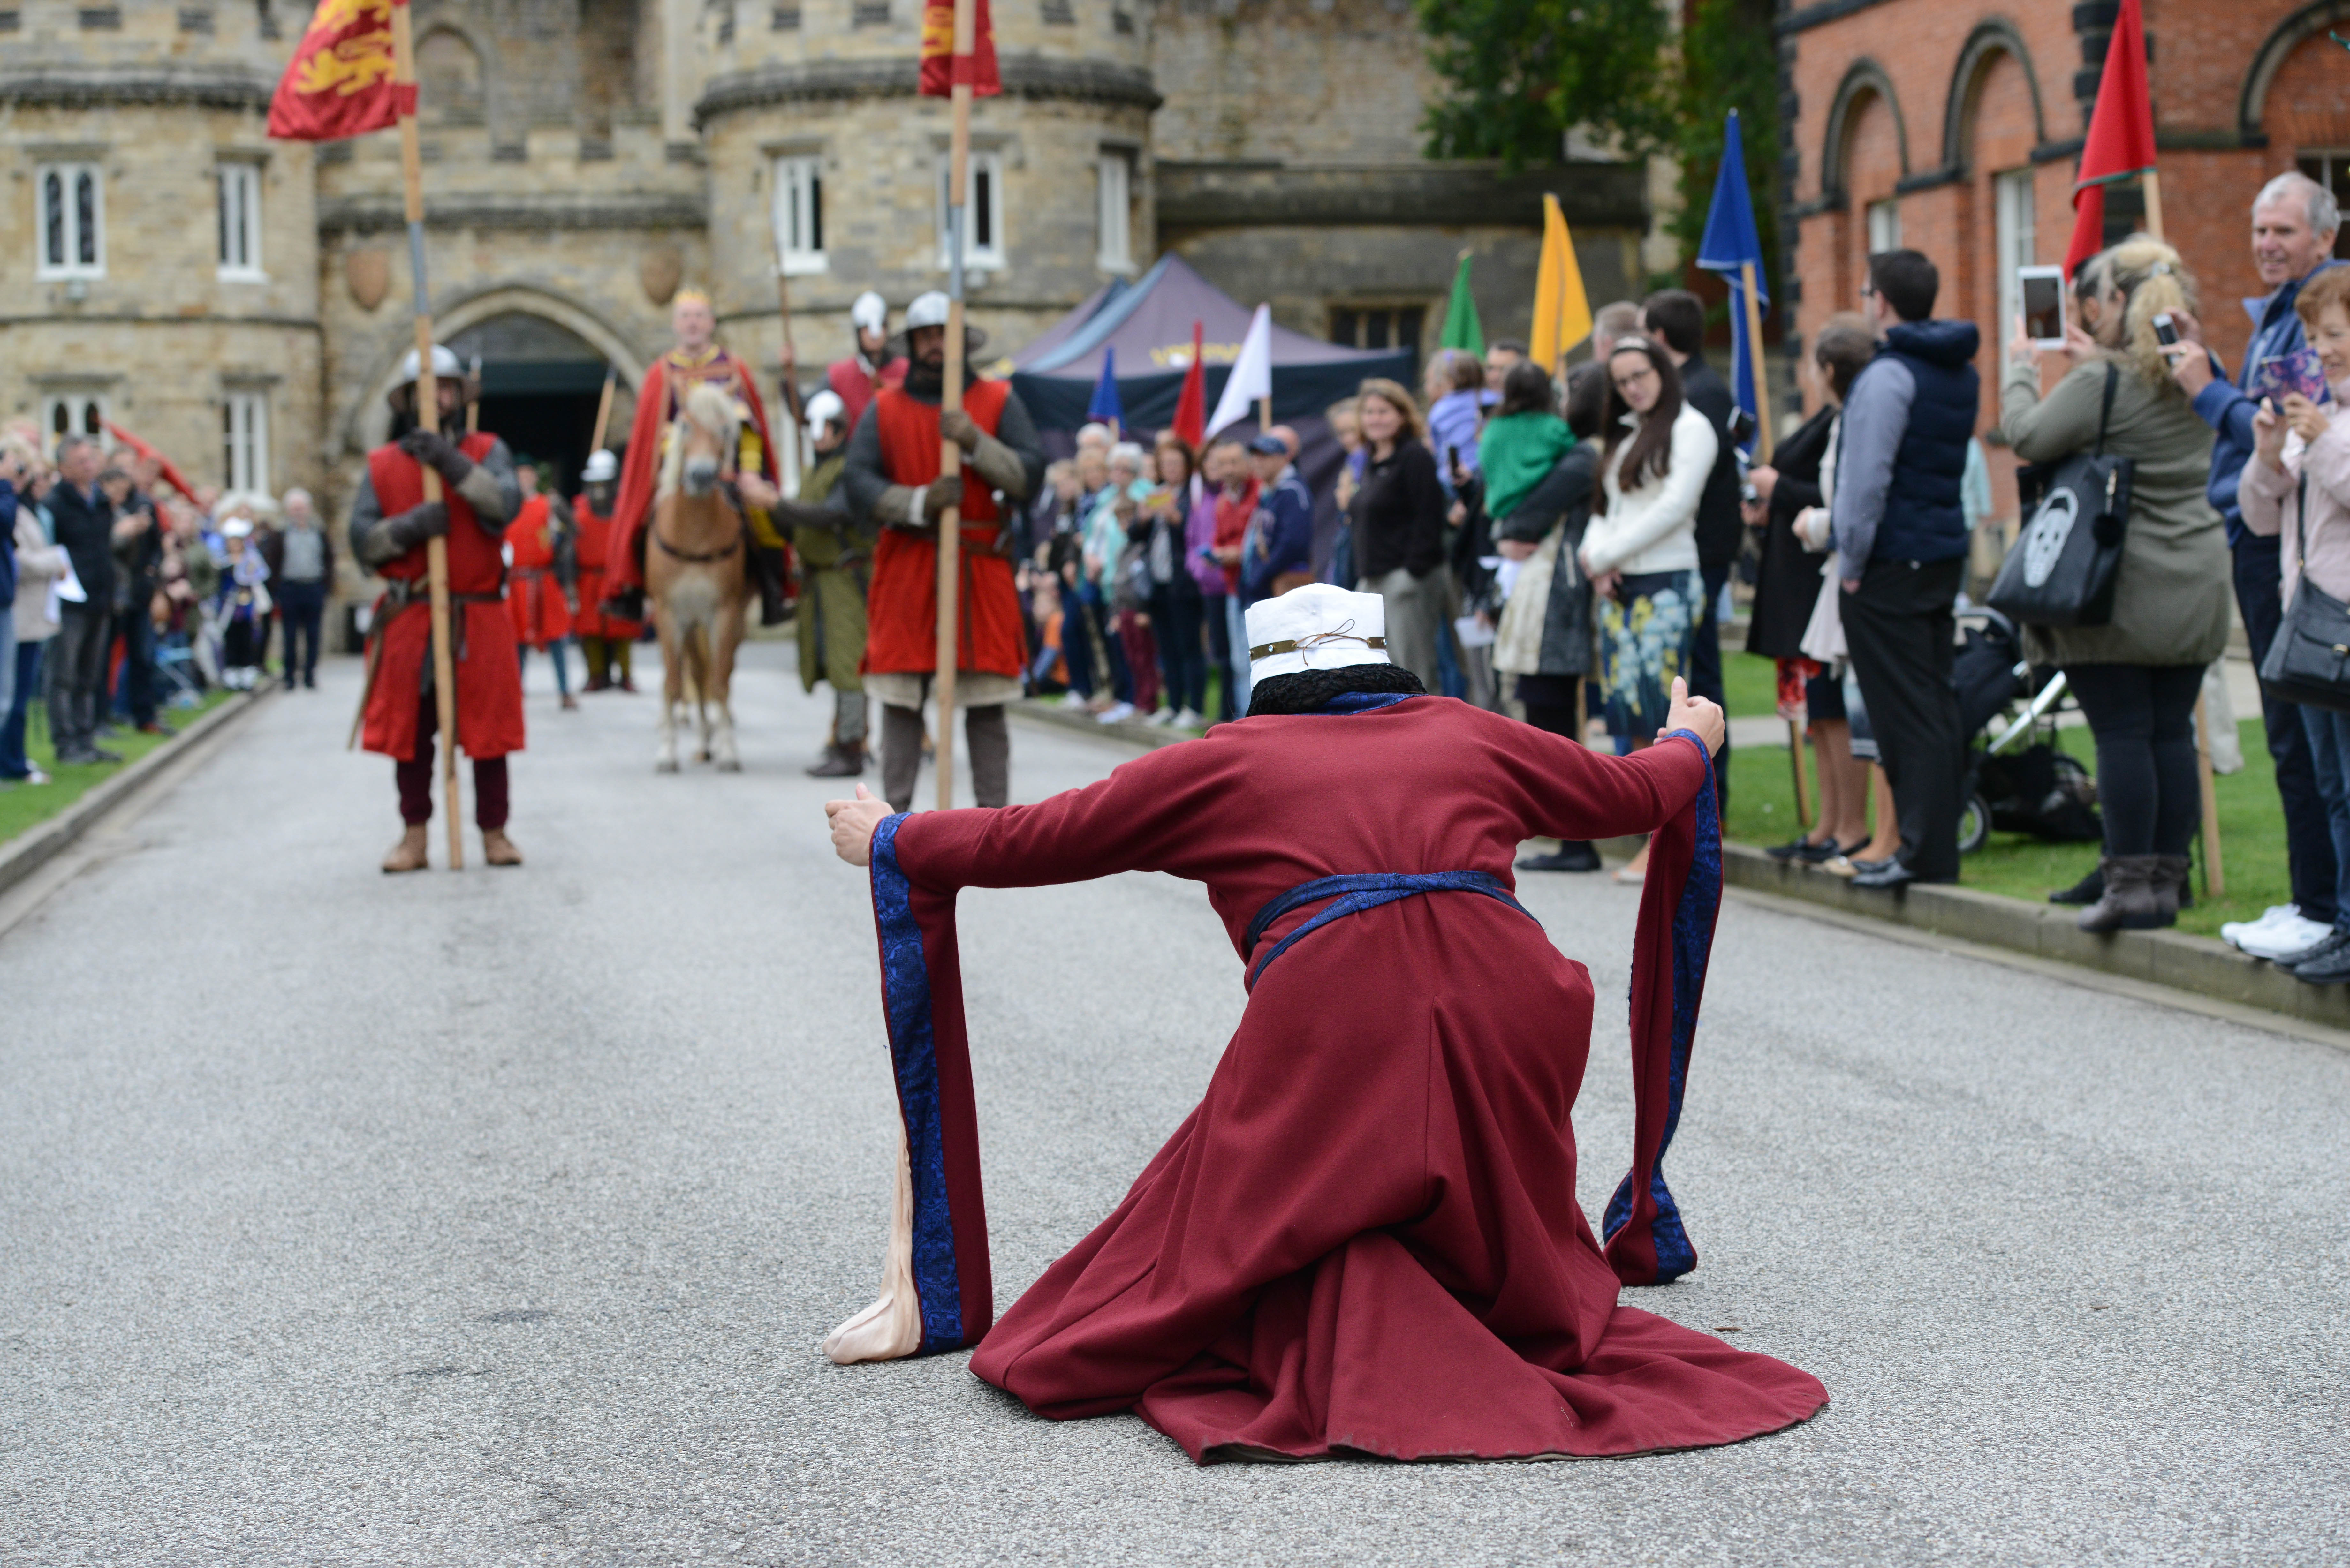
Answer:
(42, 842)
(2176, 959)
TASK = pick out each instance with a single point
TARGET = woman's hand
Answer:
(1605, 584)
(1515, 549)
(853, 823)
(2268, 434)
(2304, 417)
(1765, 479)
(1700, 716)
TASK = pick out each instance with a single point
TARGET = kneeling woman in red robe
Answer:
(1366, 1239)
(391, 528)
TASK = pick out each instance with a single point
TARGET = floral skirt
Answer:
(1647, 635)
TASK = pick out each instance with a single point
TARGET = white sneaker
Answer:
(1116, 713)
(1189, 719)
(2289, 936)
(2236, 929)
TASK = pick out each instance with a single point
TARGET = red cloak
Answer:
(533, 598)
(489, 672)
(901, 608)
(659, 400)
(1365, 1238)
(595, 538)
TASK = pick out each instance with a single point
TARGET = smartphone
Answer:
(2165, 331)
(2042, 291)
(1742, 424)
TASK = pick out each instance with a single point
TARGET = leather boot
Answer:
(408, 854)
(497, 850)
(2170, 888)
(2129, 903)
(840, 761)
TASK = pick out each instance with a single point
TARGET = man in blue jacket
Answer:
(2293, 223)
(1900, 532)
(1281, 535)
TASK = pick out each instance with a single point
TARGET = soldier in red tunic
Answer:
(893, 476)
(542, 574)
(391, 524)
(858, 379)
(605, 640)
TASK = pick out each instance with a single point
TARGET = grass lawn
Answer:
(2252, 822)
(23, 806)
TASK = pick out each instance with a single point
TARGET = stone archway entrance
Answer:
(540, 384)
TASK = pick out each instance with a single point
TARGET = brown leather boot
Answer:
(408, 854)
(840, 761)
(497, 850)
(2170, 888)
(2130, 903)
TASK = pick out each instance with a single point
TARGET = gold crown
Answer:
(693, 296)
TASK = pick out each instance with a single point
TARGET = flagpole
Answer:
(1754, 363)
(951, 398)
(2215, 875)
(428, 417)
(788, 459)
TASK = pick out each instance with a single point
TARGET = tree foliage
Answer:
(1518, 74)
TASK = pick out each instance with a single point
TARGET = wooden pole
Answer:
(950, 397)
(2215, 875)
(428, 417)
(788, 459)
(1754, 363)
(474, 404)
(604, 409)
(1796, 754)
(1263, 414)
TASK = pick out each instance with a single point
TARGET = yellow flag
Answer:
(1561, 312)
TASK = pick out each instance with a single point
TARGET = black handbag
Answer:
(2065, 564)
(2308, 660)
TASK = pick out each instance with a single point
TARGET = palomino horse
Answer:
(696, 576)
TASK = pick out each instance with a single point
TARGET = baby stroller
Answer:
(2017, 780)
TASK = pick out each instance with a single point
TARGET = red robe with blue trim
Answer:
(1365, 1238)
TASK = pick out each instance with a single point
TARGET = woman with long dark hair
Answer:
(1641, 554)
(1397, 518)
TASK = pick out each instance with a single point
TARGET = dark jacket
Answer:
(85, 528)
(1563, 501)
(2276, 331)
(1281, 538)
(1398, 514)
(1717, 523)
(1788, 585)
(7, 543)
(1902, 458)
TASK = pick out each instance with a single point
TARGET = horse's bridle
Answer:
(703, 557)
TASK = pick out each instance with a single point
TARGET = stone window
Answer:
(1059, 14)
(74, 413)
(448, 79)
(245, 440)
(1884, 225)
(240, 221)
(1114, 212)
(72, 198)
(2016, 232)
(982, 240)
(869, 14)
(799, 213)
(1378, 326)
(783, 19)
(2331, 169)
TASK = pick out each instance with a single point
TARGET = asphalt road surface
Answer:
(496, 1218)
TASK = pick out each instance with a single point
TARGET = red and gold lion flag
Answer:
(944, 71)
(339, 82)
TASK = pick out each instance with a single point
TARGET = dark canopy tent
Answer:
(1148, 323)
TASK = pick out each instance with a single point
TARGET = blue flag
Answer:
(1730, 244)
(1106, 406)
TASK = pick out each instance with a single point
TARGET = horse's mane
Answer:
(709, 406)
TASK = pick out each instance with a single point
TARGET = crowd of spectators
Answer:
(121, 597)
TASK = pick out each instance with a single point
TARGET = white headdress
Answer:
(1318, 627)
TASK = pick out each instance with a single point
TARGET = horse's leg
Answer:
(725, 638)
(672, 672)
(699, 638)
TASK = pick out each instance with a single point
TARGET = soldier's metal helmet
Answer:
(602, 468)
(445, 367)
(825, 409)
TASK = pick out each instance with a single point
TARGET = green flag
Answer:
(1461, 328)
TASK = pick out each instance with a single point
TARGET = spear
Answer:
(428, 417)
(951, 398)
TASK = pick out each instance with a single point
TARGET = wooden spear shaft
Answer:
(604, 409)
(428, 417)
(951, 398)
(787, 460)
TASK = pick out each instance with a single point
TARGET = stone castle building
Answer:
(242, 303)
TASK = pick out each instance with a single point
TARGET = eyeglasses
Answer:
(1868, 291)
(1646, 373)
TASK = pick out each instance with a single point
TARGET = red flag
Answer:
(942, 68)
(172, 475)
(339, 82)
(2120, 145)
(1192, 405)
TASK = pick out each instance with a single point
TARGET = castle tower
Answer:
(159, 252)
(812, 129)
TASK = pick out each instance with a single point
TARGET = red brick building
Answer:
(1954, 127)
